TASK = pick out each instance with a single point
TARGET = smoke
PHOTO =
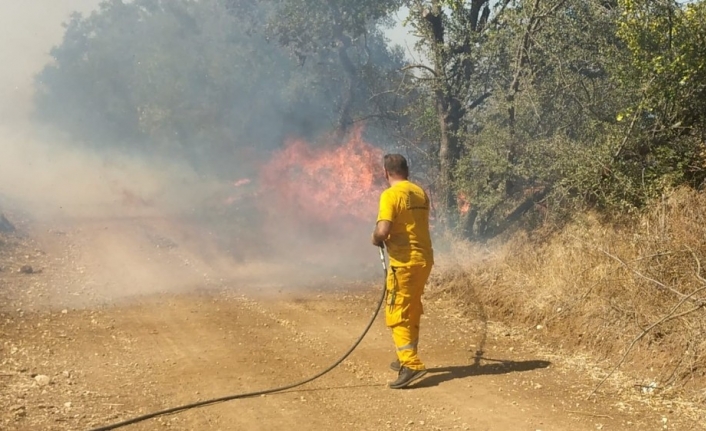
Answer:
(53, 180)
(284, 227)
(263, 222)
(44, 177)
(28, 31)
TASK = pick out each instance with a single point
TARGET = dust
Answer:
(28, 31)
(53, 180)
(137, 224)
(142, 226)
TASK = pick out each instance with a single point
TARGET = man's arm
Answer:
(386, 214)
(381, 232)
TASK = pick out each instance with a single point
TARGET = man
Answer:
(403, 226)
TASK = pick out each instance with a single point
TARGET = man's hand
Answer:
(382, 231)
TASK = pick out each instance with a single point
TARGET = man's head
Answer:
(395, 167)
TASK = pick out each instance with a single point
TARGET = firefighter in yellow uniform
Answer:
(403, 227)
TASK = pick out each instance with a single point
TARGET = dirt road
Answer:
(127, 317)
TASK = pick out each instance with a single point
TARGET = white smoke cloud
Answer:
(28, 31)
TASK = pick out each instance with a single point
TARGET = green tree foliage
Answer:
(546, 132)
(667, 43)
(198, 79)
(495, 68)
(345, 34)
(513, 106)
(581, 103)
(666, 68)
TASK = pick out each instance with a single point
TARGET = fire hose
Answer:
(264, 391)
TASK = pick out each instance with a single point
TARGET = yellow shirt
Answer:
(406, 205)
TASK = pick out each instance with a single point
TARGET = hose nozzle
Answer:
(382, 258)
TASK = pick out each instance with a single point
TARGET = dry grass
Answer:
(626, 294)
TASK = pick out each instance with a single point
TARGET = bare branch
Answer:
(641, 275)
(669, 316)
(577, 412)
(386, 116)
(419, 66)
(479, 100)
(698, 266)
(498, 15)
(376, 95)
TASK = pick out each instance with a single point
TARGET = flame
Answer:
(334, 184)
(464, 204)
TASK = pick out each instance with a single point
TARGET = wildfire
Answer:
(331, 184)
(464, 205)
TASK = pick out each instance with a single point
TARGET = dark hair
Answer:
(396, 165)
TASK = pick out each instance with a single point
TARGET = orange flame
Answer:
(331, 184)
(464, 204)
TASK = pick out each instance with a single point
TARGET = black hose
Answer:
(261, 392)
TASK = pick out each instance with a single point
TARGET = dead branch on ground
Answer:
(669, 316)
(698, 301)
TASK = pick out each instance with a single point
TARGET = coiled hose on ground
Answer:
(264, 391)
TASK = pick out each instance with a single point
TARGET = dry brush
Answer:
(631, 294)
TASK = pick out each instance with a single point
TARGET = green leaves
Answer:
(309, 26)
(667, 43)
(600, 103)
(203, 80)
(665, 67)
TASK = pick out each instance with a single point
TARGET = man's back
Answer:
(406, 205)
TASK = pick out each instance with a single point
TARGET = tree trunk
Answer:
(469, 224)
(449, 116)
(449, 152)
(449, 109)
(345, 120)
(521, 60)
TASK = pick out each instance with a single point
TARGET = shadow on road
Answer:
(439, 375)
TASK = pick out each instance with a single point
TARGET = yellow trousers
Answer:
(403, 310)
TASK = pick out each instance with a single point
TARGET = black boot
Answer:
(405, 377)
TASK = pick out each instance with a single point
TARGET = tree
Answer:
(448, 32)
(667, 68)
(200, 80)
(319, 30)
(555, 108)
(479, 55)
(590, 106)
